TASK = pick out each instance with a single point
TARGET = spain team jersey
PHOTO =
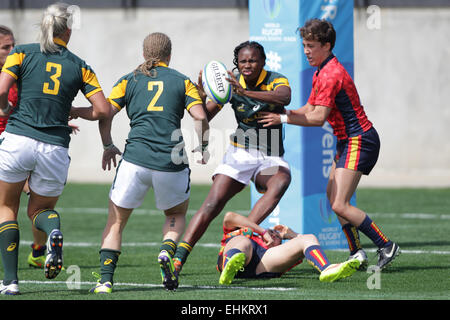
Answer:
(12, 99)
(334, 88)
(250, 133)
(155, 106)
(47, 85)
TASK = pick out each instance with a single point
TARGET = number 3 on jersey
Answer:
(54, 77)
(159, 90)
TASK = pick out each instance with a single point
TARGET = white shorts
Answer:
(244, 165)
(46, 165)
(132, 182)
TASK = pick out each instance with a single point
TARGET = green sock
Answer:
(108, 263)
(169, 245)
(47, 220)
(9, 247)
(183, 251)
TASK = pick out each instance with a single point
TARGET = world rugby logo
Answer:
(326, 213)
(272, 8)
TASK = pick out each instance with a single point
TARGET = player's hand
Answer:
(269, 118)
(204, 152)
(74, 127)
(268, 237)
(199, 86)
(285, 231)
(237, 88)
(109, 155)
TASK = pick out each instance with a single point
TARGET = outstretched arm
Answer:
(307, 116)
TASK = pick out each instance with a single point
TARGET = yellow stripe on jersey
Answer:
(118, 92)
(275, 84)
(11, 61)
(60, 42)
(261, 78)
(90, 78)
(191, 91)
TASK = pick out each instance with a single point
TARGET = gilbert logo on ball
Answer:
(214, 82)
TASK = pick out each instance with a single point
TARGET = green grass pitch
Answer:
(418, 219)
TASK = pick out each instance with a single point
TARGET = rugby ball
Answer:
(214, 82)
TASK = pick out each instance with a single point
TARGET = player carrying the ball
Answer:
(334, 99)
(255, 153)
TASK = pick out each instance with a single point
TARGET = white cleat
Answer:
(361, 256)
(11, 289)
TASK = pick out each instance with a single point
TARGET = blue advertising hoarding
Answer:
(309, 150)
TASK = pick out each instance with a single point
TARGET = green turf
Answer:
(418, 219)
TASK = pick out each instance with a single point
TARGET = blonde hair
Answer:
(54, 22)
(157, 48)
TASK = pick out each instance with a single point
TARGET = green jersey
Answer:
(47, 85)
(250, 133)
(155, 106)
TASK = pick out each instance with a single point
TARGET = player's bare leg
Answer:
(110, 247)
(172, 230)
(274, 183)
(222, 190)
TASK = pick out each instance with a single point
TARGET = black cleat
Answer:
(387, 254)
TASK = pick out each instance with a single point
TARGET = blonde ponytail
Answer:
(157, 48)
(54, 22)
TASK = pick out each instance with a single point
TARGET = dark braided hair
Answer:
(248, 44)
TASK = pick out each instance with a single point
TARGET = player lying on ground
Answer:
(245, 253)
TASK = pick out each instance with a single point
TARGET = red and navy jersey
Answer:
(12, 98)
(334, 88)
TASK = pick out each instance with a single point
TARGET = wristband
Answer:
(108, 146)
(283, 118)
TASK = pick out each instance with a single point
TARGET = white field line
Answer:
(215, 245)
(104, 211)
(152, 285)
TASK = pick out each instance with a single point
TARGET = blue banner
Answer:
(309, 151)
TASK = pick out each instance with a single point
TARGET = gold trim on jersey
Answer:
(11, 61)
(90, 78)
(277, 82)
(60, 42)
(261, 78)
(118, 92)
(191, 91)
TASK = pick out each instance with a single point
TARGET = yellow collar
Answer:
(161, 64)
(60, 42)
(261, 78)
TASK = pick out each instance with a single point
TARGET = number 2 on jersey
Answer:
(159, 90)
(54, 77)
